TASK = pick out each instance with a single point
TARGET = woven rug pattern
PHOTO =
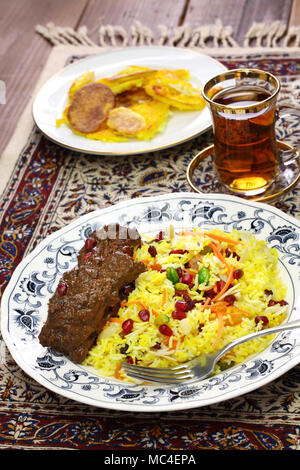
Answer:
(49, 187)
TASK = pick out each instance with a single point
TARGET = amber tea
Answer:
(245, 144)
(243, 107)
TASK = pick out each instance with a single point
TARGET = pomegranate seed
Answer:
(165, 330)
(268, 292)
(210, 293)
(220, 285)
(179, 272)
(156, 346)
(178, 315)
(227, 252)
(129, 360)
(235, 255)
(230, 299)
(62, 288)
(87, 255)
(144, 315)
(190, 303)
(271, 303)
(187, 279)
(124, 348)
(152, 251)
(181, 305)
(90, 243)
(159, 237)
(283, 302)
(127, 326)
(263, 319)
(200, 327)
(178, 252)
(238, 273)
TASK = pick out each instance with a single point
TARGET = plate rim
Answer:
(207, 124)
(122, 406)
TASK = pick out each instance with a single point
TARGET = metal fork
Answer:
(199, 368)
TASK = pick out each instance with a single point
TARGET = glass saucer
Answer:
(202, 176)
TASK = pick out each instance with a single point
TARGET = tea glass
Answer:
(243, 108)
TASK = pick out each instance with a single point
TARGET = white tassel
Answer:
(179, 33)
(254, 32)
(204, 35)
(163, 34)
(141, 35)
(104, 32)
(181, 36)
(186, 36)
(279, 34)
(216, 32)
(226, 37)
(195, 37)
(120, 32)
(272, 32)
(64, 35)
(293, 33)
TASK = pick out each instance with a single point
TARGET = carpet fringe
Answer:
(259, 34)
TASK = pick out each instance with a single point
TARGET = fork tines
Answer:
(167, 376)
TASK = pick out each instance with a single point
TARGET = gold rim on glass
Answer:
(237, 74)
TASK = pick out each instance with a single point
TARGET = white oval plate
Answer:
(182, 126)
(24, 302)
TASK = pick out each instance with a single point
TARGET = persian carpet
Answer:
(48, 187)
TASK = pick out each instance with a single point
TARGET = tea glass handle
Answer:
(289, 155)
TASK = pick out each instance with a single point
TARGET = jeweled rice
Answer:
(254, 299)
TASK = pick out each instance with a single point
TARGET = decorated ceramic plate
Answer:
(182, 126)
(24, 303)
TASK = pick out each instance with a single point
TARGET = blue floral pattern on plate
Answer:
(24, 303)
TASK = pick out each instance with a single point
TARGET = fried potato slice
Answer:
(123, 82)
(181, 74)
(156, 115)
(130, 97)
(176, 93)
(90, 107)
(126, 121)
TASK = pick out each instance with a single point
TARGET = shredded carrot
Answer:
(156, 267)
(114, 320)
(145, 261)
(164, 297)
(218, 306)
(239, 310)
(134, 255)
(117, 372)
(207, 302)
(227, 284)
(174, 344)
(221, 238)
(136, 302)
(219, 255)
